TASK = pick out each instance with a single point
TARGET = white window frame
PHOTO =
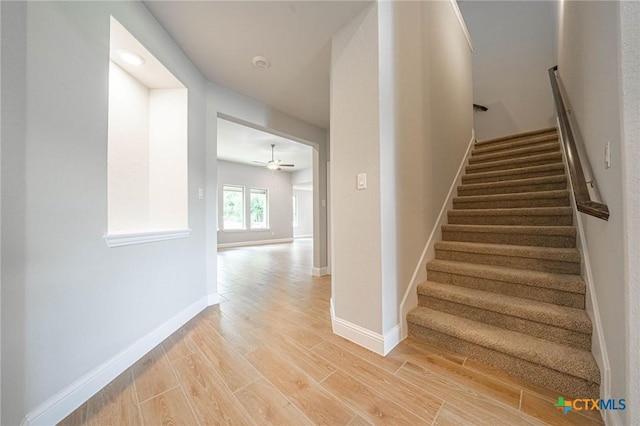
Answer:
(296, 212)
(243, 209)
(264, 191)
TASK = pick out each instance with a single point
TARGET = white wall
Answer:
(303, 176)
(305, 214)
(589, 67)
(401, 112)
(303, 179)
(0, 220)
(128, 167)
(630, 153)
(280, 214)
(355, 148)
(514, 46)
(426, 136)
(168, 159)
(13, 127)
(69, 302)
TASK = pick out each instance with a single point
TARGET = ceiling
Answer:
(242, 144)
(221, 38)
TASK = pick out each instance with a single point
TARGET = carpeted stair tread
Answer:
(541, 312)
(532, 211)
(514, 153)
(563, 282)
(547, 253)
(514, 200)
(515, 163)
(547, 259)
(480, 149)
(551, 169)
(548, 183)
(565, 359)
(519, 136)
(544, 236)
(516, 229)
(538, 216)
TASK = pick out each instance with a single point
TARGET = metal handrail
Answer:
(578, 181)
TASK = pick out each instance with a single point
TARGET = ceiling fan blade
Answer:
(260, 162)
(287, 165)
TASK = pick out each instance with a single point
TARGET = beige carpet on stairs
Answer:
(504, 287)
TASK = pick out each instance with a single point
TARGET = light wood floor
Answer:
(267, 355)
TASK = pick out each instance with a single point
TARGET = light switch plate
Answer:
(200, 193)
(607, 155)
(362, 181)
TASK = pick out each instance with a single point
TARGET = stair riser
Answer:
(511, 220)
(544, 331)
(566, 385)
(471, 179)
(514, 153)
(537, 240)
(511, 140)
(480, 149)
(513, 164)
(541, 294)
(512, 204)
(544, 265)
(466, 191)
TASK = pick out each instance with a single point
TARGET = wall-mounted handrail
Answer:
(477, 107)
(578, 181)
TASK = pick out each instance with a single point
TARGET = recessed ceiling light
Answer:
(130, 57)
(260, 62)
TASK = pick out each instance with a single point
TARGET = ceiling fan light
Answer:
(272, 166)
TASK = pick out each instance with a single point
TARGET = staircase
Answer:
(505, 286)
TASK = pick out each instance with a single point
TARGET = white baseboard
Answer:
(598, 345)
(319, 272)
(60, 405)
(375, 342)
(213, 299)
(410, 299)
(255, 243)
(611, 417)
(303, 236)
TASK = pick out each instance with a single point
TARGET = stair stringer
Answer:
(598, 344)
(410, 298)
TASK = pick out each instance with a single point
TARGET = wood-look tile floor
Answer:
(267, 355)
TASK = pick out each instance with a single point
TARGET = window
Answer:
(147, 169)
(258, 206)
(233, 207)
(295, 211)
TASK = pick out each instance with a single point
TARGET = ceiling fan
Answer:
(274, 164)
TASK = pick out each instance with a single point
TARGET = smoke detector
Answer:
(260, 62)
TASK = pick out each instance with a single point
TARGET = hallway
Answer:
(267, 355)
